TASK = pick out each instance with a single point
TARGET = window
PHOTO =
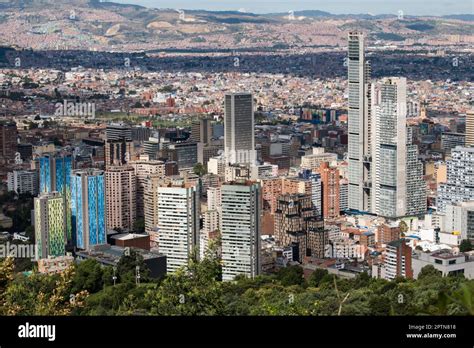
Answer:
(438, 261)
(452, 262)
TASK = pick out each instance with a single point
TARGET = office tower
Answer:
(470, 128)
(151, 148)
(88, 209)
(178, 224)
(118, 152)
(143, 169)
(241, 229)
(50, 227)
(55, 173)
(121, 190)
(292, 214)
(26, 151)
(397, 173)
(460, 177)
(207, 151)
(201, 131)
(23, 181)
(359, 125)
(214, 201)
(330, 183)
(239, 129)
(140, 133)
(185, 154)
(55, 176)
(397, 260)
(118, 131)
(150, 198)
(8, 142)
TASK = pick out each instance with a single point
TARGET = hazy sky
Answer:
(409, 7)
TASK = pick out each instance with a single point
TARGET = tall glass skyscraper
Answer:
(239, 129)
(88, 208)
(50, 228)
(359, 124)
(55, 176)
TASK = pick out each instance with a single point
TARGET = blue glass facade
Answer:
(55, 173)
(88, 209)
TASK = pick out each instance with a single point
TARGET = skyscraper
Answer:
(50, 227)
(360, 124)
(330, 184)
(241, 229)
(470, 128)
(55, 176)
(178, 224)
(201, 131)
(8, 142)
(121, 190)
(239, 129)
(118, 152)
(88, 209)
(397, 176)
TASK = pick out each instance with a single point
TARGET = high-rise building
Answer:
(388, 233)
(397, 260)
(201, 131)
(460, 178)
(178, 224)
(55, 173)
(118, 131)
(55, 176)
(330, 184)
(121, 190)
(150, 205)
(343, 194)
(239, 124)
(359, 125)
(50, 227)
(118, 152)
(241, 229)
(88, 209)
(397, 175)
(292, 215)
(185, 154)
(8, 142)
(23, 181)
(470, 128)
(143, 169)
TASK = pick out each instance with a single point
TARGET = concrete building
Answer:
(396, 169)
(88, 209)
(445, 261)
(330, 191)
(23, 181)
(313, 162)
(459, 219)
(201, 131)
(185, 154)
(470, 128)
(8, 142)
(178, 224)
(121, 190)
(118, 152)
(397, 261)
(143, 169)
(50, 225)
(241, 229)
(239, 124)
(359, 125)
(460, 176)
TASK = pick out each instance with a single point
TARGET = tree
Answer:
(465, 246)
(428, 271)
(127, 267)
(403, 228)
(88, 276)
(292, 275)
(316, 277)
(139, 225)
(199, 169)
